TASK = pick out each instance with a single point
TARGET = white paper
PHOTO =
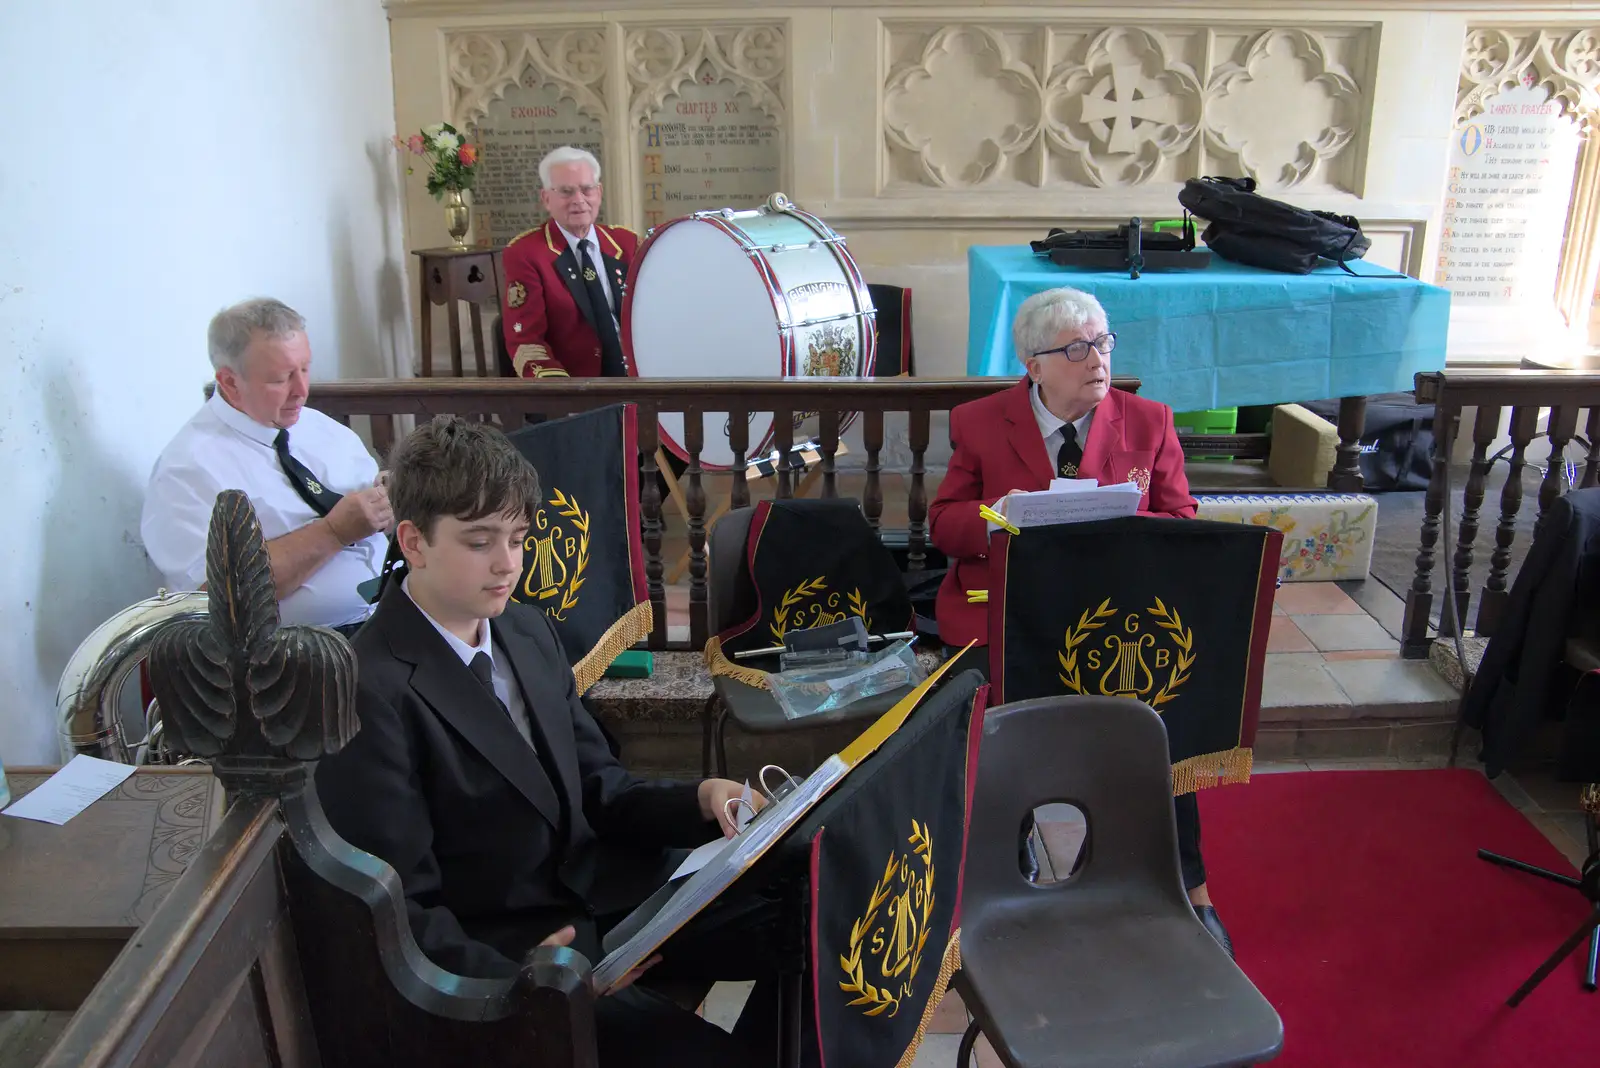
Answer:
(81, 783)
(1077, 504)
(743, 813)
(1068, 485)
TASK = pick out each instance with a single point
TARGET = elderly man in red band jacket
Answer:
(564, 281)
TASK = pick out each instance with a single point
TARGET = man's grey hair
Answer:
(1043, 316)
(233, 328)
(567, 154)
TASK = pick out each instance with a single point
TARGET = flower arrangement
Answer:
(451, 158)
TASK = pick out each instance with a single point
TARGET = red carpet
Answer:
(1359, 908)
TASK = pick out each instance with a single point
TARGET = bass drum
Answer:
(746, 294)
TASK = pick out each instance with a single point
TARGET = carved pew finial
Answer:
(257, 699)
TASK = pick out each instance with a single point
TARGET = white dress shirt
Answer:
(222, 448)
(1050, 426)
(505, 686)
(594, 257)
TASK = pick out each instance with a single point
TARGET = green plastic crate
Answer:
(1210, 421)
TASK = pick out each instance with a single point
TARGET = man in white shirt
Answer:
(314, 485)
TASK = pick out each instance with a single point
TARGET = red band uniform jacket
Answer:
(545, 315)
(998, 448)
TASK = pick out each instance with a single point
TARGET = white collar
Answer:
(462, 649)
(574, 242)
(237, 421)
(1049, 422)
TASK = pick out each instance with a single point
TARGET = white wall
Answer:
(163, 160)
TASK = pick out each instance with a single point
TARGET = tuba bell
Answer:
(87, 696)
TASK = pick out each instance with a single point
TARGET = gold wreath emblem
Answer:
(895, 945)
(1140, 476)
(1126, 674)
(811, 605)
(516, 295)
(556, 575)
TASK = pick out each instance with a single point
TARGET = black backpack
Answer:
(1396, 442)
(1260, 232)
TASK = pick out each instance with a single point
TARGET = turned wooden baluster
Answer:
(917, 500)
(872, 495)
(1563, 424)
(739, 442)
(694, 432)
(783, 441)
(1591, 466)
(829, 442)
(1524, 424)
(650, 517)
(1419, 599)
(1484, 429)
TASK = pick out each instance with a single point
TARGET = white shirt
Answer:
(594, 257)
(505, 687)
(1050, 426)
(222, 448)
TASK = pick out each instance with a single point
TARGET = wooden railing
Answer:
(510, 401)
(1567, 395)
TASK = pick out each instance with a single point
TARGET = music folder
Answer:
(649, 926)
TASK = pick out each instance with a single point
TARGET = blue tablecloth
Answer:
(1230, 334)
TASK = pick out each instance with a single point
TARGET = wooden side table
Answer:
(72, 896)
(450, 276)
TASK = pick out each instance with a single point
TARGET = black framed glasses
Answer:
(1078, 351)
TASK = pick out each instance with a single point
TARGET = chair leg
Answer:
(721, 765)
(969, 1040)
(707, 726)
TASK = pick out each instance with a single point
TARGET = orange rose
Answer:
(469, 154)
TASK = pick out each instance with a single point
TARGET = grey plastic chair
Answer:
(1109, 967)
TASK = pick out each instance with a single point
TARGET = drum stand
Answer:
(804, 457)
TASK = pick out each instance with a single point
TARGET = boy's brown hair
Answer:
(455, 467)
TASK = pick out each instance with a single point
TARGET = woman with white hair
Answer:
(1062, 421)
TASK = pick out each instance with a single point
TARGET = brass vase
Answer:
(456, 216)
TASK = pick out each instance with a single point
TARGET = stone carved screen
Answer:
(519, 95)
(517, 131)
(707, 118)
(1119, 106)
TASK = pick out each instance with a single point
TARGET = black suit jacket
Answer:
(497, 844)
(1556, 594)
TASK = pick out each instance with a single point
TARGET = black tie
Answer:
(483, 669)
(611, 365)
(1070, 455)
(319, 497)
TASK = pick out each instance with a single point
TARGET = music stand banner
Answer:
(886, 855)
(812, 562)
(583, 562)
(1171, 612)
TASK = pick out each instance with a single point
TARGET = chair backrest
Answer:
(730, 594)
(1105, 755)
(895, 352)
(502, 355)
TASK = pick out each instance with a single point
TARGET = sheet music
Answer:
(1074, 503)
(732, 860)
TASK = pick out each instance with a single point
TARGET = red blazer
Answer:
(545, 307)
(998, 448)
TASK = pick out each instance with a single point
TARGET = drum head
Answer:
(700, 308)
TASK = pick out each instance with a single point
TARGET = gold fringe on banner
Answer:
(947, 967)
(719, 664)
(1212, 769)
(634, 626)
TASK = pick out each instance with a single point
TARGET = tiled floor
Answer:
(1549, 805)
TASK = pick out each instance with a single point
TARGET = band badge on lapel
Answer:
(886, 941)
(559, 542)
(1127, 660)
(516, 295)
(811, 604)
(1140, 476)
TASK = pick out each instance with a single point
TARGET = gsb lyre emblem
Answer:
(891, 933)
(559, 545)
(1131, 660)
